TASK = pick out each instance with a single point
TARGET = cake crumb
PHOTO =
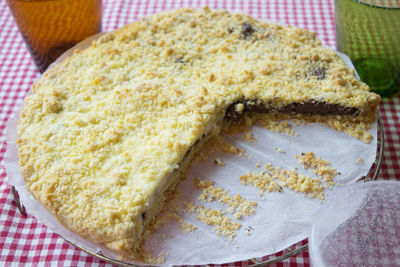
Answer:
(278, 126)
(173, 208)
(149, 259)
(248, 230)
(319, 166)
(262, 181)
(312, 187)
(189, 207)
(273, 179)
(354, 126)
(186, 227)
(258, 163)
(249, 137)
(359, 161)
(217, 144)
(237, 205)
(280, 150)
(219, 162)
(223, 224)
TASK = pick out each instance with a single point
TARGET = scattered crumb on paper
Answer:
(237, 205)
(279, 126)
(249, 137)
(186, 227)
(248, 230)
(155, 260)
(219, 162)
(359, 161)
(301, 183)
(273, 178)
(262, 180)
(280, 150)
(217, 218)
(217, 144)
(319, 166)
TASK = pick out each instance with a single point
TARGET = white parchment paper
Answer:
(281, 219)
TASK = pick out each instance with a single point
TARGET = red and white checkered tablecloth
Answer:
(25, 241)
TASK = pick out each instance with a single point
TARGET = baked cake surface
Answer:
(110, 129)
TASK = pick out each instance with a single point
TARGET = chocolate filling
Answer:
(316, 107)
(308, 107)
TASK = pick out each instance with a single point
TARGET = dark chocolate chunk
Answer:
(318, 72)
(247, 30)
(143, 215)
(180, 60)
(232, 114)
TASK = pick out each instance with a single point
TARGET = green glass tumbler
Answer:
(368, 31)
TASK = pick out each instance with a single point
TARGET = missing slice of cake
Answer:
(107, 134)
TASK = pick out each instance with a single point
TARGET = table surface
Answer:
(22, 238)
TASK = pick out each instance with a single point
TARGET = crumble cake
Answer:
(108, 132)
